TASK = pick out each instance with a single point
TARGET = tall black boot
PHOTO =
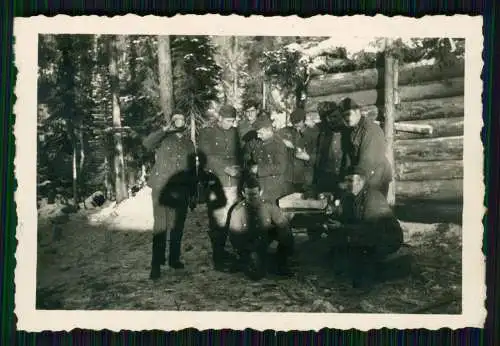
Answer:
(219, 255)
(282, 263)
(158, 254)
(175, 250)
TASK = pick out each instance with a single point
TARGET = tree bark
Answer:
(432, 149)
(337, 83)
(449, 88)
(436, 190)
(165, 76)
(119, 164)
(429, 170)
(389, 84)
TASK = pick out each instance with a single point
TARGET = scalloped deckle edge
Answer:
(26, 32)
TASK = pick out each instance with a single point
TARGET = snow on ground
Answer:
(102, 261)
(135, 213)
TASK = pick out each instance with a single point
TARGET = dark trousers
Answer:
(371, 243)
(218, 238)
(160, 239)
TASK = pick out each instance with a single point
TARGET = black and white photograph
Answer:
(326, 177)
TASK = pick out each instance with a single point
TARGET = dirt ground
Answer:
(96, 267)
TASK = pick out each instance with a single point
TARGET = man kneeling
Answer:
(371, 229)
(253, 224)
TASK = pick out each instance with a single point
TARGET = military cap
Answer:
(251, 181)
(227, 111)
(263, 122)
(297, 116)
(347, 104)
(327, 107)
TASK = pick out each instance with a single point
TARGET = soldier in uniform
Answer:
(311, 134)
(364, 147)
(171, 190)
(328, 151)
(370, 228)
(221, 145)
(247, 124)
(299, 145)
(266, 156)
(253, 224)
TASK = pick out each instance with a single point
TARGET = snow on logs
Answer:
(409, 74)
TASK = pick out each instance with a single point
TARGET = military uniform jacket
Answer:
(222, 148)
(295, 168)
(328, 157)
(171, 157)
(244, 127)
(271, 157)
(364, 149)
(372, 218)
(311, 136)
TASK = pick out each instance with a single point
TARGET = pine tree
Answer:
(196, 75)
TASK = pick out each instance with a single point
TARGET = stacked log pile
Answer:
(428, 166)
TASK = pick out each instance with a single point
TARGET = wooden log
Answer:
(436, 190)
(324, 66)
(429, 149)
(434, 108)
(337, 83)
(446, 107)
(440, 128)
(429, 170)
(449, 88)
(421, 129)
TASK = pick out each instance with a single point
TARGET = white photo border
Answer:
(26, 31)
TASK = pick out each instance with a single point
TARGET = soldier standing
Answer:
(364, 148)
(171, 191)
(329, 148)
(311, 134)
(299, 146)
(221, 146)
(266, 156)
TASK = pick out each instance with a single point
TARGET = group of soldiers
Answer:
(240, 170)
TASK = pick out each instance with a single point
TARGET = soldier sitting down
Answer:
(253, 225)
(371, 230)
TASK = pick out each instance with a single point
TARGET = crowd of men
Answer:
(240, 170)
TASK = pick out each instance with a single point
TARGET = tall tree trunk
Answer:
(389, 116)
(81, 141)
(74, 166)
(235, 68)
(165, 76)
(119, 164)
(65, 44)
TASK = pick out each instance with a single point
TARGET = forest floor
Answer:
(102, 261)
